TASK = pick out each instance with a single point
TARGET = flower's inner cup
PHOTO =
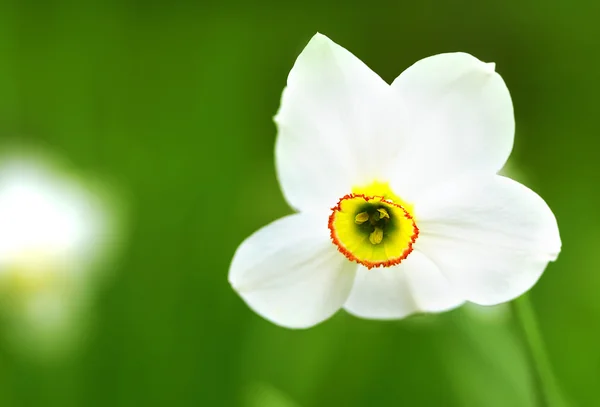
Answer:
(374, 221)
(372, 226)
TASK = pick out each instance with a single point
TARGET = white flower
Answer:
(52, 231)
(400, 206)
(44, 213)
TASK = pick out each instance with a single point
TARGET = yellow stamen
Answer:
(376, 236)
(383, 214)
(361, 218)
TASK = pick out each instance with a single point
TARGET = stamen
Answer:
(361, 218)
(383, 214)
(376, 236)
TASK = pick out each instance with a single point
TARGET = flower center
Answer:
(372, 226)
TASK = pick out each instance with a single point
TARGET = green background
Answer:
(171, 103)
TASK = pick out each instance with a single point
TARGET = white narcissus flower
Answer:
(400, 206)
(52, 231)
(45, 213)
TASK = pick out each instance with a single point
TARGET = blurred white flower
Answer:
(400, 206)
(53, 229)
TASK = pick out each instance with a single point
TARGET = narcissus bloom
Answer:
(400, 207)
(53, 229)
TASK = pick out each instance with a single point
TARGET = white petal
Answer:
(290, 273)
(415, 285)
(327, 125)
(491, 238)
(458, 115)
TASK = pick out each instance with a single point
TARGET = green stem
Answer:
(549, 394)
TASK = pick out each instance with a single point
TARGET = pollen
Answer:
(376, 235)
(383, 214)
(361, 218)
(373, 227)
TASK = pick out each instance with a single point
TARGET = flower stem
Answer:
(549, 394)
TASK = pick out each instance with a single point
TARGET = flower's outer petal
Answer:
(458, 114)
(492, 238)
(328, 123)
(290, 273)
(415, 285)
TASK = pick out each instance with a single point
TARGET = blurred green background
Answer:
(172, 102)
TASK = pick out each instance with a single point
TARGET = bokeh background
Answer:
(171, 104)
